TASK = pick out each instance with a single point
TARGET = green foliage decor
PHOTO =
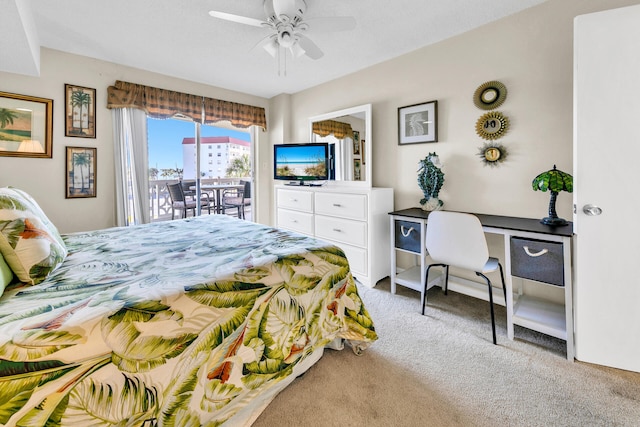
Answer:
(430, 180)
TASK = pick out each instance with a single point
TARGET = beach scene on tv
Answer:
(301, 161)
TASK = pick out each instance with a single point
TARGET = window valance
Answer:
(328, 127)
(163, 104)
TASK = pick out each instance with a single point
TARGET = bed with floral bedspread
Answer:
(194, 322)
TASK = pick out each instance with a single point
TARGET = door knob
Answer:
(591, 210)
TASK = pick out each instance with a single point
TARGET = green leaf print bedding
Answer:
(194, 322)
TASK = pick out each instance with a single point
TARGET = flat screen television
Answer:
(301, 162)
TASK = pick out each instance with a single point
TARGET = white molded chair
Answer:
(457, 239)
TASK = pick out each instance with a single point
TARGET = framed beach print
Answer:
(79, 111)
(81, 172)
(26, 126)
(418, 123)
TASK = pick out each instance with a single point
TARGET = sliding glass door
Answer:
(204, 158)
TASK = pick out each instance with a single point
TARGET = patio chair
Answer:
(236, 198)
(180, 202)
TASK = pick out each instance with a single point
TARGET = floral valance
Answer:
(338, 129)
(163, 104)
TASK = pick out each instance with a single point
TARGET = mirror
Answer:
(348, 132)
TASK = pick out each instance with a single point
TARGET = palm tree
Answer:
(240, 166)
(6, 117)
(79, 99)
(81, 160)
(153, 173)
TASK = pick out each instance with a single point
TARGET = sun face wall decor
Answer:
(490, 95)
(492, 125)
(493, 153)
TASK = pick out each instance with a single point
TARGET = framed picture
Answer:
(356, 143)
(362, 145)
(81, 172)
(26, 126)
(356, 169)
(79, 111)
(418, 123)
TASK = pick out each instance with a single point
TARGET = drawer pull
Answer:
(294, 200)
(294, 221)
(405, 233)
(337, 230)
(337, 205)
(542, 252)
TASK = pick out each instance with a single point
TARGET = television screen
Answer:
(301, 161)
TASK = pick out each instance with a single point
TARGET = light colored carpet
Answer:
(442, 369)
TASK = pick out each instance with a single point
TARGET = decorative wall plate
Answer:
(490, 95)
(492, 153)
(492, 125)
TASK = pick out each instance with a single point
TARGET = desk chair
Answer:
(180, 201)
(237, 198)
(457, 239)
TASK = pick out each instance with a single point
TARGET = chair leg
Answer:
(446, 278)
(423, 297)
(504, 286)
(493, 317)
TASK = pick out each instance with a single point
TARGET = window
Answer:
(172, 156)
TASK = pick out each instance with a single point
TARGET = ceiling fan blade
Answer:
(237, 18)
(310, 48)
(296, 50)
(337, 23)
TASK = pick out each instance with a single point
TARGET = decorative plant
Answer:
(555, 181)
(430, 180)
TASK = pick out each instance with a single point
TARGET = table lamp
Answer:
(555, 181)
(30, 146)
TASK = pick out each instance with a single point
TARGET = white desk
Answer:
(532, 313)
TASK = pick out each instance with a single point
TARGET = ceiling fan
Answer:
(285, 19)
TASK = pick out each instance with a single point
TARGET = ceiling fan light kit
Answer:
(284, 18)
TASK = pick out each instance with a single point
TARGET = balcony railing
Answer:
(160, 202)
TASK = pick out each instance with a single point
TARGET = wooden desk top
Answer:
(498, 221)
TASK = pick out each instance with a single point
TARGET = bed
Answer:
(193, 322)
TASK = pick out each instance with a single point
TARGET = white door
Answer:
(606, 164)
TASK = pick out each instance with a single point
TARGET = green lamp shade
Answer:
(554, 181)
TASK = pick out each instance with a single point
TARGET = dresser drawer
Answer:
(341, 230)
(352, 206)
(538, 260)
(407, 235)
(298, 200)
(295, 220)
(357, 258)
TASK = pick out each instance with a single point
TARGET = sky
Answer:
(165, 140)
(300, 154)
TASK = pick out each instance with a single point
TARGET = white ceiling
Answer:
(178, 38)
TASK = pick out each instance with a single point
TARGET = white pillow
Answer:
(29, 242)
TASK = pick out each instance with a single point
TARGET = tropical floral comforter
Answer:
(195, 322)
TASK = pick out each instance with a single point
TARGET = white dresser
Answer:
(354, 219)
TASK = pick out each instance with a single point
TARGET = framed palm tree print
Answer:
(81, 172)
(79, 111)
